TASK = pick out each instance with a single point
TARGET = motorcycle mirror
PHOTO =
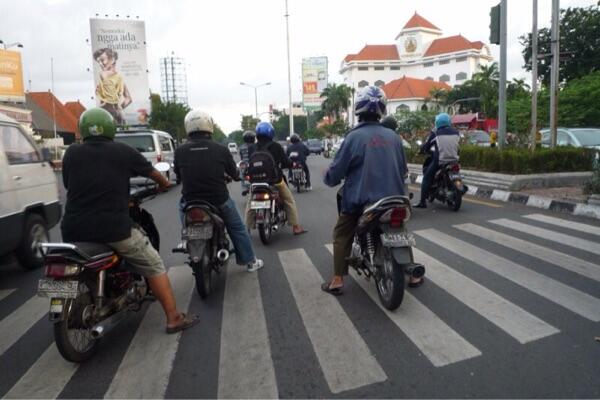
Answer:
(162, 166)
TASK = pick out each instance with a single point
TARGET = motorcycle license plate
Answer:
(454, 177)
(198, 232)
(57, 288)
(398, 240)
(259, 205)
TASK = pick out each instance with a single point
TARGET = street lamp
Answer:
(255, 87)
(9, 45)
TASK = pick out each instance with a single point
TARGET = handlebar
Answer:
(142, 192)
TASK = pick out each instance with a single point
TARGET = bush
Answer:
(592, 186)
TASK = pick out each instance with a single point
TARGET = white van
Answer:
(156, 146)
(29, 203)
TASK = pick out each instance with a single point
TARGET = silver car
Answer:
(576, 137)
(155, 146)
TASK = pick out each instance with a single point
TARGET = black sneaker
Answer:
(420, 205)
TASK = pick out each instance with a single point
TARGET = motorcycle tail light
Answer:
(158, 158)
(262, 196)
(62, 270)
(455, 168)
(196, 214)
(395, 217)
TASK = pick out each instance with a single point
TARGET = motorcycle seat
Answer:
(93, 251)
(201, 203)
(388, 202)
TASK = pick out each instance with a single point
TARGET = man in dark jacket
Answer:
(96, 175)
(371, 161)
(202, 164)
(298, 152)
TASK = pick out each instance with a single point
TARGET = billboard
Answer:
(314, 80)
(120, 69)
(11, 77)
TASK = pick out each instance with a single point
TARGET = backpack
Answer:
(262, 167)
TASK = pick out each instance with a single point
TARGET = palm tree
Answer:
(337, 99)
(486, 81)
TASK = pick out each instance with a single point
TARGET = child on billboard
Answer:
(111, 91)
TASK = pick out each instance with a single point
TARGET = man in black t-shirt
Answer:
(96, 175)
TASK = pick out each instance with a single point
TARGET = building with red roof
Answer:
(75, 107)
(412, 94)
(420, 51)
(48, 111)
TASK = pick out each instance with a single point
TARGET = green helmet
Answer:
(97, 122)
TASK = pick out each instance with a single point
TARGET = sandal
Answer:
(333, 291)
(185, 324)
(300, 232)
(417, 283)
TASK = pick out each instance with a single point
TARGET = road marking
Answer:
(21, 320)
(594, 230)
(145, 368)
(432, 336)
(551, 256)
(483, 203)
(557, 292)
(507, 316)
(46, 378)
(345, 359)
(245, 367)
(568, 240)
(5, 293)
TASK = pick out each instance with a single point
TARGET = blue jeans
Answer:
(244, 253)
(428, 176)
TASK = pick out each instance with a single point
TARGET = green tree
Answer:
(236, 136)
(415, 123)
(218, 134)
(282, 126)
(337, 128)
(249, 122)
(168, 117)
(579, 36)
(486, 81)
(336, 100)
(578, 104)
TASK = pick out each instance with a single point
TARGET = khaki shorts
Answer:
(139, 254)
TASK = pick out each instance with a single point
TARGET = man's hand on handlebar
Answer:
(163, 183)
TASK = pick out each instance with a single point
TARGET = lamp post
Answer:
(255, 87)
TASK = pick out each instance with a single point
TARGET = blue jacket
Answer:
(372, 162)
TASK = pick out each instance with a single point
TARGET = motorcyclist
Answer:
(96, 175)
(302, 152)
(249, 138)
(369, 149)
(201, 164)
(264, 141)
(442, 146)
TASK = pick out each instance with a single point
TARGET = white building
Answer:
(419, 52)
(412, 94)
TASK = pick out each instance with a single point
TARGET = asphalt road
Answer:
(510, 308)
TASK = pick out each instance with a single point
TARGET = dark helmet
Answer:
(295, 138)
(249, 137)
(371, 100)
(97, 122)
(390, 122)
(265, 129)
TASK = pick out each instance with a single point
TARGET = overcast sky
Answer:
(228, 41)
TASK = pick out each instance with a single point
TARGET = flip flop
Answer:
(300, 233)
(187, 323)
(416, 284)
(334, 291)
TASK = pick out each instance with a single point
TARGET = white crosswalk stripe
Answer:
(563, 223)
(572, 299)
(45, 379)
(245, 364)
(568, 240)
(21, 320)
(432, 336)
(345, 359)
(5, 293)
(551, 256)
(512, 319)
(141, 375)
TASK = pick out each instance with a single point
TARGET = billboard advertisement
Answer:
(120, 69)
(11, 77)
(314, 80)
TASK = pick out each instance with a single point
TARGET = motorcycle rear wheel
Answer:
(389, 280)
(73, 340)
(265, 231)
(203, 275)
(456, 201)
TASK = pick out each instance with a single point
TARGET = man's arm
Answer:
(339, 167)
(425, 148)
(230, 167)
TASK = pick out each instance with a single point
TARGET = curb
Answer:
(545, 203)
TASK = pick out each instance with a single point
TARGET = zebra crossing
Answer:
(346, 358)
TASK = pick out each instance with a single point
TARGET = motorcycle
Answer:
(206, 243)
(90, 287)
(447, 186)
(297, 174)
(243, 168)
(268, 210)
(382, 249)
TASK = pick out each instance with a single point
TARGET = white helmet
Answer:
(198, 121)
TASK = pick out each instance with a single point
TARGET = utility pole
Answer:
(287, 29)
(502, 83)
(53, 107)
(534, 74)
(555, 41)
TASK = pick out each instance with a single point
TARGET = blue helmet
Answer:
(265, 129)
(370, 100)
(441, 120)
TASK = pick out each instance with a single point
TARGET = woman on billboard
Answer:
(111, 91)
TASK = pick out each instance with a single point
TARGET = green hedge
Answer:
(518, 161)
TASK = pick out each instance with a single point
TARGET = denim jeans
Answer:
(428, 176)
(244, 253)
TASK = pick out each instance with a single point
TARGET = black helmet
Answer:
(249, 137)
(295, 138)
(390, 122)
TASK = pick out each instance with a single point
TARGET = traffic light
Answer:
(495, 24)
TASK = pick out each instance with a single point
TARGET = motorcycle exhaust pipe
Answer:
(101, 328)
(416, 270)
(222, 255)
